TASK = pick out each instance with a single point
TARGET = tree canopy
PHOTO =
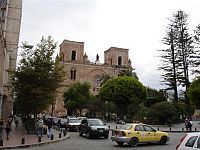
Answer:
(154, 96)
(181, 57)
(37, 78)
(125, 92)
(194, 92)
(163, 112)
(77, 97)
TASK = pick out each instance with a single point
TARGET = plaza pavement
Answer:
(19, 138)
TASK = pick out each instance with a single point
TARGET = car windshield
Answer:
(74, 121)
(126, 127)
(95, 122)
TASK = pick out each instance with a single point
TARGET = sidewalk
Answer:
(19, 135)
(173, 128)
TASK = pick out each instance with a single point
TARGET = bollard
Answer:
(1, 142)
(52, 137)
(39, 139)
(170, 129)
(182, 129)
(158, 128)
(116, 127)
(195, 129)
(59, 135)
(23, 141)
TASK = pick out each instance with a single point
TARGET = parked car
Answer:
(93, 128)
(190, 141)
(73, 124)
(133, 134)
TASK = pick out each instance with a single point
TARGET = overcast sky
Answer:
(138, 25)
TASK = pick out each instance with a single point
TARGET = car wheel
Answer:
(133, 142)
(106, 136)
(120, 143)
(163, 140)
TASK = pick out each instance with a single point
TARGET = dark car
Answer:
(93, 128)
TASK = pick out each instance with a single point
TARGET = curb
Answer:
(36, 144)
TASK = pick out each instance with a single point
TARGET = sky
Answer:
(137, 25)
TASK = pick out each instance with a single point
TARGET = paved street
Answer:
(76, 142)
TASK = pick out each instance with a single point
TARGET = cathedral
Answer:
(79, 68)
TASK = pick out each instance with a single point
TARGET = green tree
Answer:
(37, 78)
(77, 97)
(196, 54)
(194, 92)
(154, 96)
(144, 114)
(179, 59)
(128, 72)
(169, 65)
(163, 112)
(125, 92)
(105, 78)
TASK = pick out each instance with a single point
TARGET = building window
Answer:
(73, 55)
(119, 60)
(73, 74)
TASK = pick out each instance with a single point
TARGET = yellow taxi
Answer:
(136, 133)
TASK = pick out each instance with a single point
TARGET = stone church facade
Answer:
(78, 67)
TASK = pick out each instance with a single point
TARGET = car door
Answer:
(83, 126)
(141, 133)
(150, 134)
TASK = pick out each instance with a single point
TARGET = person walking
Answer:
(8, 130)
(16, 122)
(49, 125)
(1, 130)
(40, 127)
(188, 124)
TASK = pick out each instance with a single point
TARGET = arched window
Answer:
(119, 60)
(73, 74)
(73, 55)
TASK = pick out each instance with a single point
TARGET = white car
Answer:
(191, 141)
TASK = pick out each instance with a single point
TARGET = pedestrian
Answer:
(8, 130)
(10, 120)
(16, 122)
(40, 123)
(59, 123)
(188, 124)
(49, 125)
(1, 128)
